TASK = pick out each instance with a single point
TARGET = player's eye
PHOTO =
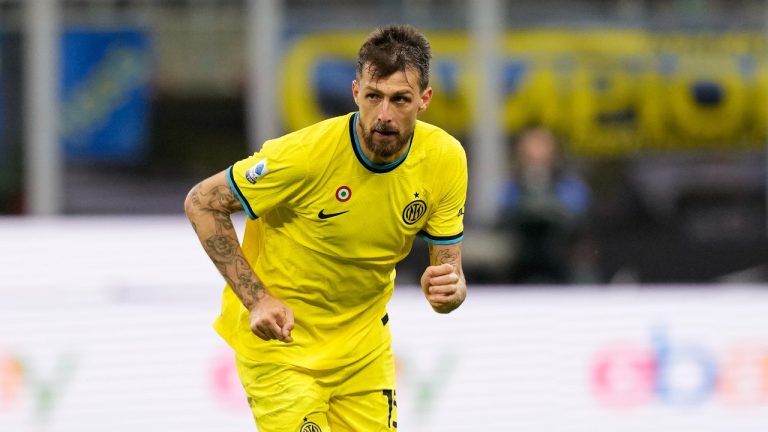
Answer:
(373, 96)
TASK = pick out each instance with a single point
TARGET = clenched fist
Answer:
(444, 287)
(272, 319)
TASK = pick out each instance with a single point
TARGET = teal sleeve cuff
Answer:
(441, 240)
(239, 195)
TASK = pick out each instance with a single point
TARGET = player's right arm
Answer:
(209, 207)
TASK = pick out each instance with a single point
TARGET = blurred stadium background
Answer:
(110, 110)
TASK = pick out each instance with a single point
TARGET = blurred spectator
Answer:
(544, 207)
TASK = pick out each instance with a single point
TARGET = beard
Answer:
(387, 145)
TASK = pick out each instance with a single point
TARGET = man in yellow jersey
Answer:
(332, 209)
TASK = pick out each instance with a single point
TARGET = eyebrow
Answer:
(409, 92)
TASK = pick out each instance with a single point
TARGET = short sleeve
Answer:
(270, 178)
(446, 224)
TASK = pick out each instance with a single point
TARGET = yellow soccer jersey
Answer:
(328, 227)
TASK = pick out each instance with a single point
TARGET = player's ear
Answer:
(426, 98)
(355, 91)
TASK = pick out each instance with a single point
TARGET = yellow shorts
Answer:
(356, 398)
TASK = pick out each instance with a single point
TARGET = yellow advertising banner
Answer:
(606, 92)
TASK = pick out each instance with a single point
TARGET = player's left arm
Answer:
(443, 281)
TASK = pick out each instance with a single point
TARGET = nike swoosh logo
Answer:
(323, 215)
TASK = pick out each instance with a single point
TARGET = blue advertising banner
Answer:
(105, 94)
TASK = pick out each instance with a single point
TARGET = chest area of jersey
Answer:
(377, 210)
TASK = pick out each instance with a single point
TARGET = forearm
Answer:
(209, 207)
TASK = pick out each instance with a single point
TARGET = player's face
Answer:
(388, 109)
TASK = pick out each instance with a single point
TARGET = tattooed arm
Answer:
(443, 281)
(209, 206)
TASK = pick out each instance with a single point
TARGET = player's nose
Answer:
(385, 111)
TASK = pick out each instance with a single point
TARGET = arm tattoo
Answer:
(214, 206)
(218, 198)
(445, 255)
(221, 248)
(222, 197)
(249, 288)
(251, 291)
(194, 195)
(223, 219)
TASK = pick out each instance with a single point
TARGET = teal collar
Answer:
(370, 165)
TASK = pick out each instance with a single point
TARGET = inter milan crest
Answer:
(309, 426)
(414, 210)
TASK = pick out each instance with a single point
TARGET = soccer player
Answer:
(332, 209)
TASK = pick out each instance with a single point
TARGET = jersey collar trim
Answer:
(367, 163)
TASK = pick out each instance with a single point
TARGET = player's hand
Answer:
(272, 319)
(443, 287)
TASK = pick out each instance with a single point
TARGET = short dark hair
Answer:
(395, 48)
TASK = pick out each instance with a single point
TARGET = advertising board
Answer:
(116, 335)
